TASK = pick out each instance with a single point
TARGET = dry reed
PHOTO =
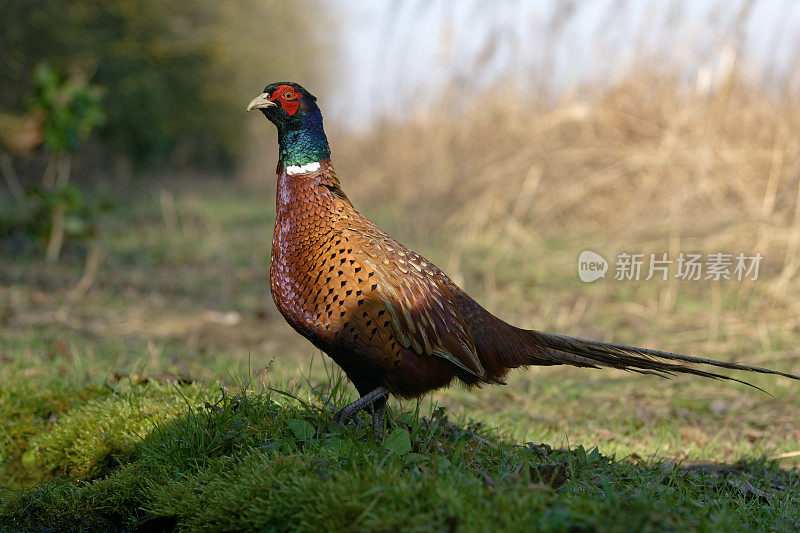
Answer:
(645, 165)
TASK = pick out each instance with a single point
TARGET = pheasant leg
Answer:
(367, 401)
(378, 417)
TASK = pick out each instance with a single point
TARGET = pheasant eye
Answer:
(288, 95)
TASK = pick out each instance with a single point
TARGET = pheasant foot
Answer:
(375, 402)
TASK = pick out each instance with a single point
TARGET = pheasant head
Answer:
(294, 111)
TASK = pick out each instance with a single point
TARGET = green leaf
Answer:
(593, 455)
(413, 458)
(443, 464)
(398, 442)
(301, 429)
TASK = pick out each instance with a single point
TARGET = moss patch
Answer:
(166, 457)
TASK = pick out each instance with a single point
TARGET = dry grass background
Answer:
(645, 165)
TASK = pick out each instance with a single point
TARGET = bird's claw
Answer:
(368, 401)
(340, 417)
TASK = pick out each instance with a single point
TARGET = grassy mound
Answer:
(163, 457)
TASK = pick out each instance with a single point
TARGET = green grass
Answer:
(90, 437)
(167, 456)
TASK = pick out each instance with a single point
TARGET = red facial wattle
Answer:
(287, 97)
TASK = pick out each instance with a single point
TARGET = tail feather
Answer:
(561, 349)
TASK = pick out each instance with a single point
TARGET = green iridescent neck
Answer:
(305, 143)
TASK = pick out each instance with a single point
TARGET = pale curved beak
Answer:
(260, 102)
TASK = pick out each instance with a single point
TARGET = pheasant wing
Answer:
(419, 298)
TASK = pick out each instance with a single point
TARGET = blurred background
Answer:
(497, 139)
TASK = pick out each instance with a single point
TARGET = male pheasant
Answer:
(392, 320)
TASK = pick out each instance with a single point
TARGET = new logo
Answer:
(591, 266)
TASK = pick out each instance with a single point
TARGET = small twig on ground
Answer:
(786, 455)
(56, 239)
(60, 177)
(89, 273)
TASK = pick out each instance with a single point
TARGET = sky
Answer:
(401, 54)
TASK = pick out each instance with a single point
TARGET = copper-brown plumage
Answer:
(386, 315)
(390, 318)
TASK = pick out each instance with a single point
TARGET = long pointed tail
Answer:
(560, 349)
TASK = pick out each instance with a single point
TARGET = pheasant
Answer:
(392, 320)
